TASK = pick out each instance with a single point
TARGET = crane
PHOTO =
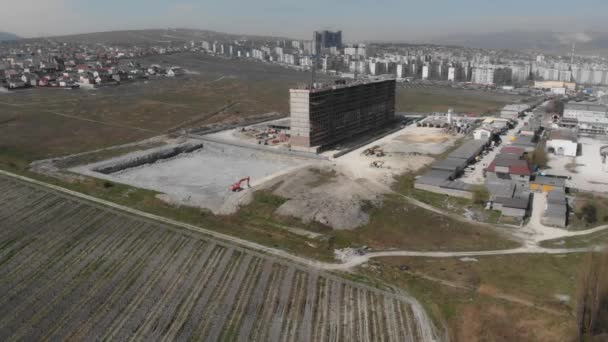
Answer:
(236, 187)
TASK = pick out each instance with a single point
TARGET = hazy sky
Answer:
(359, 19)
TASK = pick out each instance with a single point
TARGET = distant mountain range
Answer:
(589, 43)
(153, 36)
(8, 36)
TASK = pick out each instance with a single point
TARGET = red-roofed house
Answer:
(513, 150)
(504, 168)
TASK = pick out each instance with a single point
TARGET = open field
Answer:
(398, 224)
(578, 220)
(503, 298)
(439, 99)
(591, 240)
(587, 171)
(81, 120)
(73, 270)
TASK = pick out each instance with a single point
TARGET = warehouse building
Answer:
(562, 142)
(587, 117)
(469, 151)
(505, 167)
(527, 142)
(509, 197)
(547, 184)
(513, 206)
(440, 179)
(556, 210)
(514, 111)
(325, 115)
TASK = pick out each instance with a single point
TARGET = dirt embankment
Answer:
(149, 158)
(322, 194)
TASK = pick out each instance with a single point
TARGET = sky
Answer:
(359, 19)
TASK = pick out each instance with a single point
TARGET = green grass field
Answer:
(580, 221)
(502, 298)
(400, 225)
(425, 100)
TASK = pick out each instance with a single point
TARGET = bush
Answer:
(107, 184)
(539, 157)
(480, 195)
(589, 212)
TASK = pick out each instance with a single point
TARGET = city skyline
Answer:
(364, 20)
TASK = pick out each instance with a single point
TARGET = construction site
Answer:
(349, 158)
(220, 169)
(326, 114)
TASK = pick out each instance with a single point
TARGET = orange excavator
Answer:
(236, 187)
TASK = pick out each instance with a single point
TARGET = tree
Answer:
(592, 298)
(480, 195)
(589, 212)
(555, 106)
(539, 157)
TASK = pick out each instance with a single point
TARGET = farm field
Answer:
(70, 270)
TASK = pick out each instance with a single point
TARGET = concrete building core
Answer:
(329, 114)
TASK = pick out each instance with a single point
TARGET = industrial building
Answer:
(514, 111)
(562, 142)
(527, 142)
(556, 210)
(587, 117)
(505, 167)
(325, 115)
(440, 179)
(554, 84)
(545, 184)
(513, 206)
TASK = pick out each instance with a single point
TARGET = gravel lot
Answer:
(203, 178)
(591, 174)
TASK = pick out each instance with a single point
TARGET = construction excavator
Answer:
(236, 187)
(374, 151)
(378, 164)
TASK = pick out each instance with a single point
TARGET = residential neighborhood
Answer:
(77, 66)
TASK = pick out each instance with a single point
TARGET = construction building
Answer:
(325, 115)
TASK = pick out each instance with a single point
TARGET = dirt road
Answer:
(346, 266)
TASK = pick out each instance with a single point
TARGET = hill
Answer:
(155, 36)
(549, 42)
